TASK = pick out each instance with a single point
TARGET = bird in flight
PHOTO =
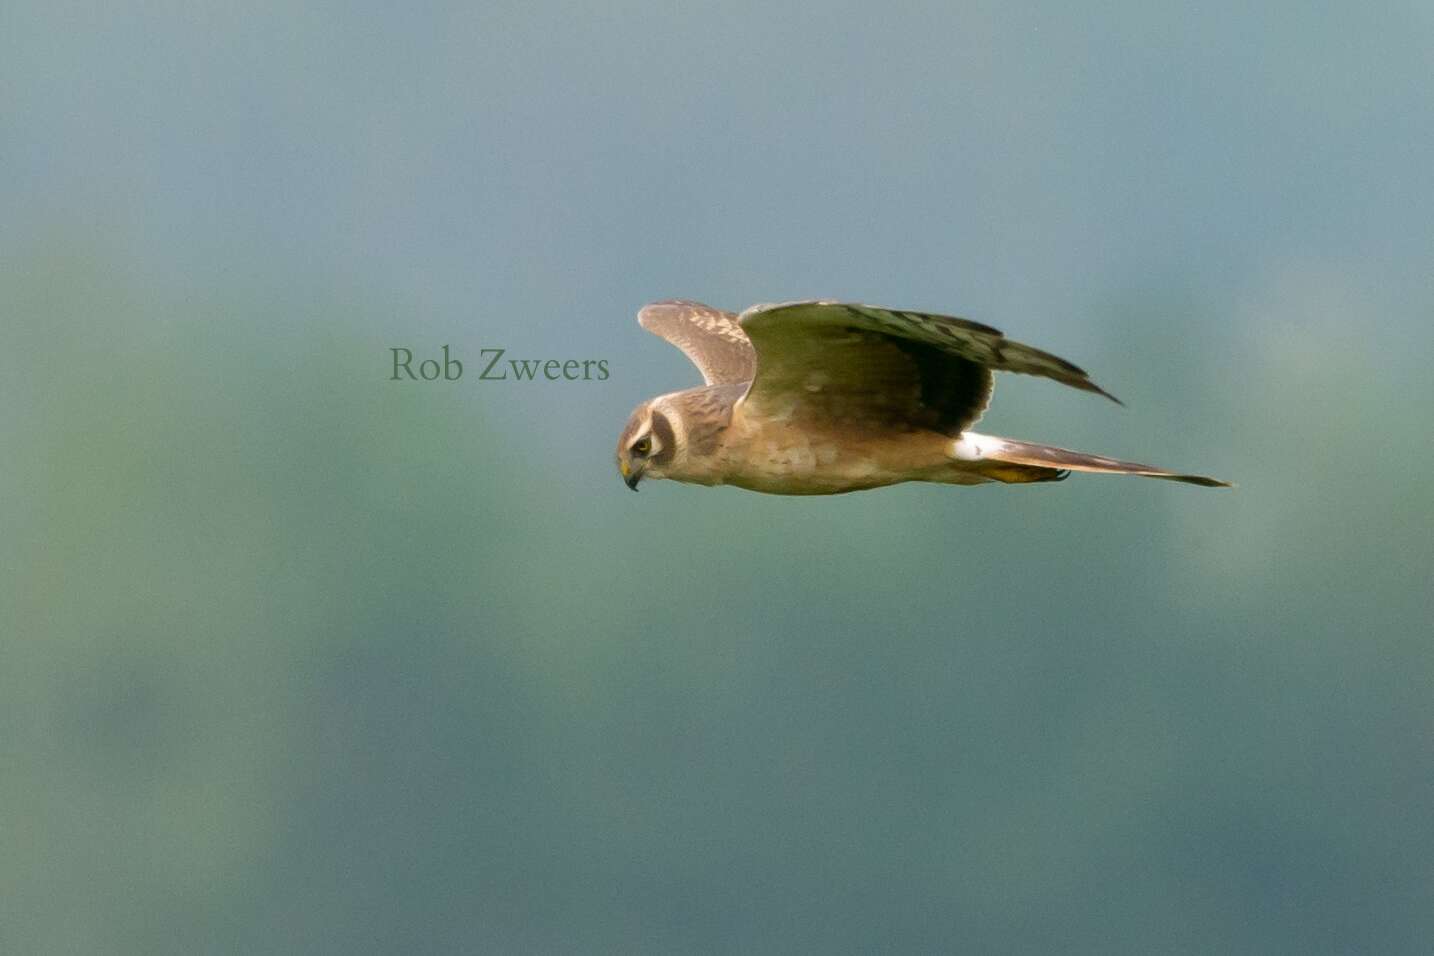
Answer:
(821, 398)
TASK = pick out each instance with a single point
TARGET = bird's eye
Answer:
(642, 446)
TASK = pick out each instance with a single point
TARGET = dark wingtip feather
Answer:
(1089, 386)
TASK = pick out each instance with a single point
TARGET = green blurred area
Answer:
(297, 659)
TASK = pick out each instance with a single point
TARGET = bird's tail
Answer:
(1010, 460)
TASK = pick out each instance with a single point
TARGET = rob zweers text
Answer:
(494, 366)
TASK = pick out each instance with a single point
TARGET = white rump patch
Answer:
(974, 447)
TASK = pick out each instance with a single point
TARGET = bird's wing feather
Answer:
(709, 337)
(959, 337)
(847, 360)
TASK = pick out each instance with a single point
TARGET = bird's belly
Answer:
(798, 463)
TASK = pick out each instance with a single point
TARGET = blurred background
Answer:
(297, 659)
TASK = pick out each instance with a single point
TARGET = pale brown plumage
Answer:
(828, 397)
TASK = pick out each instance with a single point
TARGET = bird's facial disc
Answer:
(642, 446)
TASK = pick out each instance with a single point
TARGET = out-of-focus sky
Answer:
(294, 658)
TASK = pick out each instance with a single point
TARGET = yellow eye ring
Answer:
(642, 446)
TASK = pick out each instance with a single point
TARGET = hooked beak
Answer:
(630, 476)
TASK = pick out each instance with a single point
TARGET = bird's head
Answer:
(647, 445)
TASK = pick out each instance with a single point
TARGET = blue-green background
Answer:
(296, 659)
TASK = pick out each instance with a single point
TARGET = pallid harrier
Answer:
(819, 398)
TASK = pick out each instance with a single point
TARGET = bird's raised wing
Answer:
(847, 361)
(711, 338)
